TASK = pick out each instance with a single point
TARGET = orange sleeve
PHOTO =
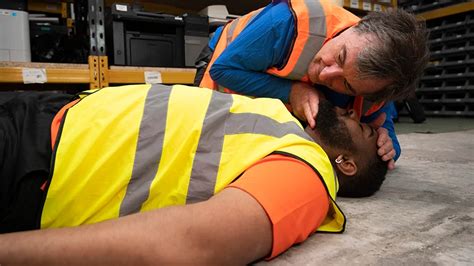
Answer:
(292, 195)
(57, 121)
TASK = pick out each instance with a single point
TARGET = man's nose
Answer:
(330, 72)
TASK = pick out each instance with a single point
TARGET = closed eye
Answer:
(341, 61)
(349, 88)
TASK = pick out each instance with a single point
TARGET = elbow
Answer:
(215, 73)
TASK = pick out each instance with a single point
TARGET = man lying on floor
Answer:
(193, 175)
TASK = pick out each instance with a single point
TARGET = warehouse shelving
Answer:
(447, 86)
(97, 72)
(136, 74)
(12, 72)
(418, 6)
(362, 7)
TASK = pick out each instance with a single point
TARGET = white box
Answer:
(14, 36)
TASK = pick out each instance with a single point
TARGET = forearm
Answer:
(130, 240)
(188, 234)
(265, 43)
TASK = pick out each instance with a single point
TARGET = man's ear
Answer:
(346, 164)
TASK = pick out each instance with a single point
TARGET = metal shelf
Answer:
(447, 86)
(127, 74)
(447, 11)
(12, 72)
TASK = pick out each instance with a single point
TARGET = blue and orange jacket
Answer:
(315, 23)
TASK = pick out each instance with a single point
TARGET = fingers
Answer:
(391, 165)
(385, 145)
(388, 155)
(383, 136)
(311, 109)
(304, 101)
(309, 116)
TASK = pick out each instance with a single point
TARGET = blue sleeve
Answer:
(264, 43)
(388, 109)
(215, 37)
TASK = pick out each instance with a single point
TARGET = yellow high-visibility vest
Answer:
(135, 148)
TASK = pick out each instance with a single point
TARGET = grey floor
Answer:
(424, 213)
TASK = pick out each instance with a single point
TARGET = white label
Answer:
(121, 8)
(377, 7)
(34, 75)
(355, 3)
(366, 6)
(152, 77)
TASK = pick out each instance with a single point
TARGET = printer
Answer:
(218, 16)
(138, 38)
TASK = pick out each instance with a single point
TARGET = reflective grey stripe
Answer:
(217, 123)
(317, 35)
(209, 150)
(149, 145)
(208, 153)
(233, 25)
(241, 123)
(230, 31)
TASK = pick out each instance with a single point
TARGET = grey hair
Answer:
(401, 52)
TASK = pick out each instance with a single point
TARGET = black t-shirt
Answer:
(25, 155)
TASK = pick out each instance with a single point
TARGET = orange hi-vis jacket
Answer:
(316, 23)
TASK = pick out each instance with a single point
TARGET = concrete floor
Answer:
(423, 214)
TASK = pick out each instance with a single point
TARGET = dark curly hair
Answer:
(366, 182)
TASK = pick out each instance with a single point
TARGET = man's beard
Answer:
(332, 131)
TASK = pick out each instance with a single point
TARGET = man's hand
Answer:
(304, 100)
(384, 142)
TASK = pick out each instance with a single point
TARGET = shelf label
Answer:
(354, 3)
(377, 7)
(120, 7)
(152, 77)
(34, 75)
(366, 6)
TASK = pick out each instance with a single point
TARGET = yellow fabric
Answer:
(94, 159)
